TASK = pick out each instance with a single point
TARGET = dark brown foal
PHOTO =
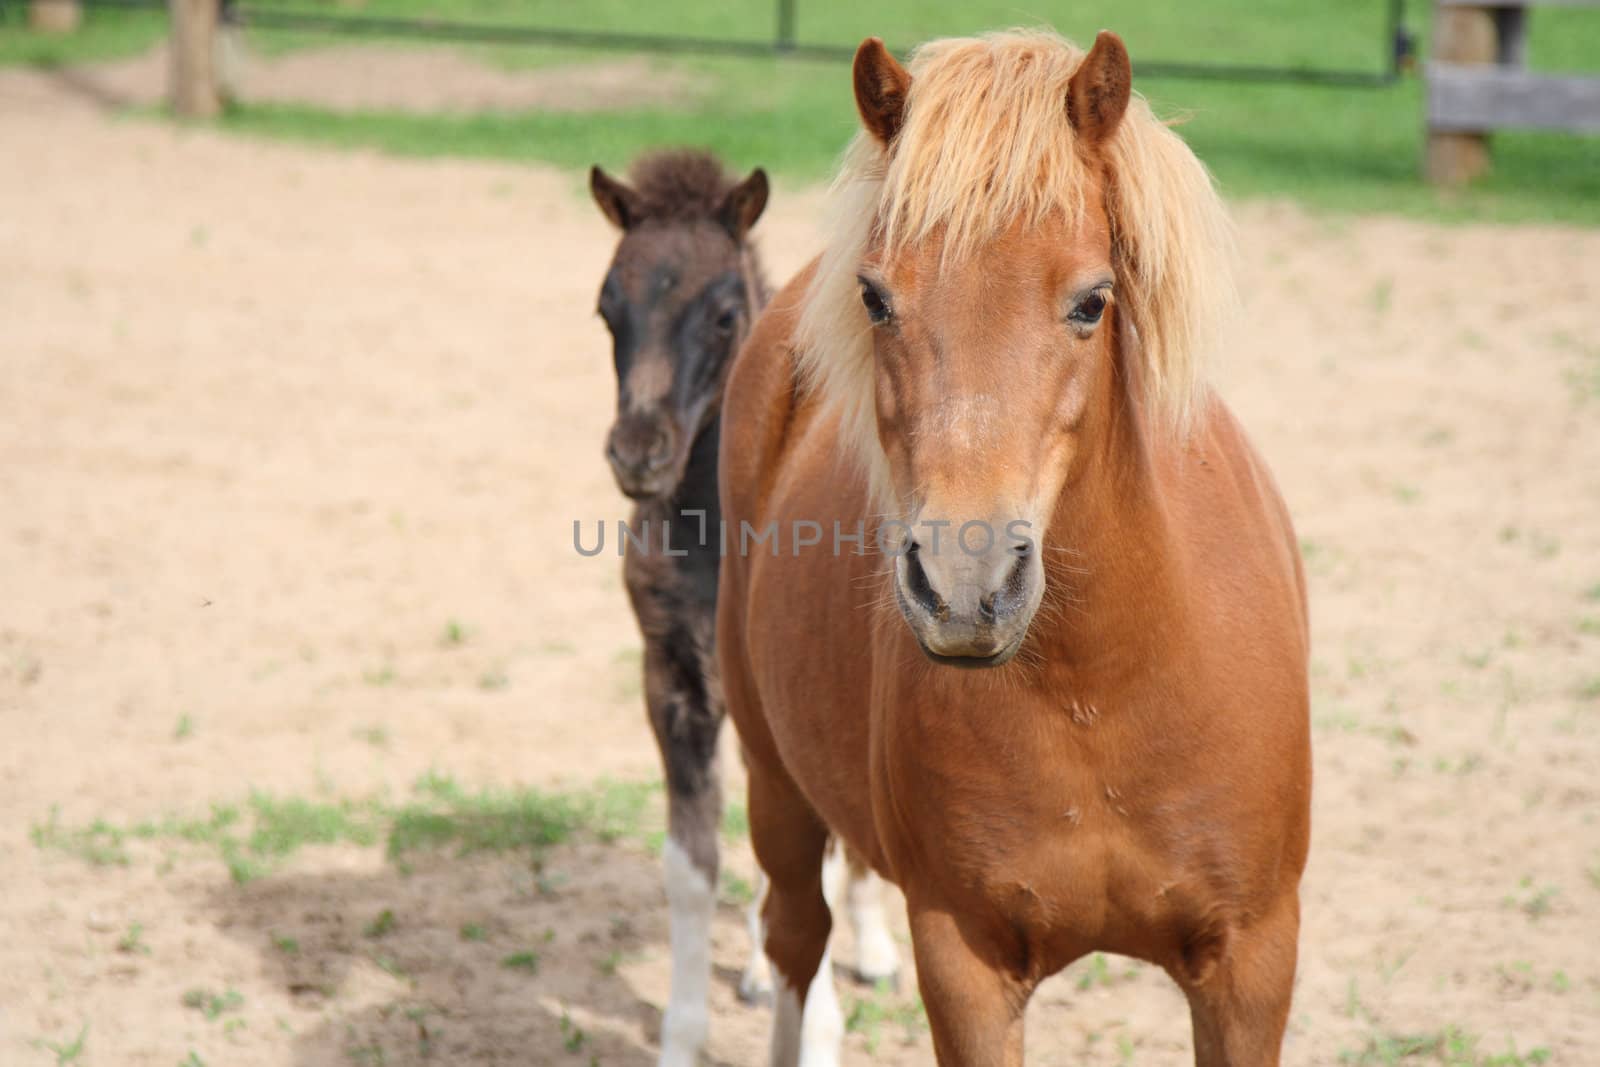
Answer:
(679, 298)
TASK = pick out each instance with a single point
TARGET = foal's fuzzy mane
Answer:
(680, 185)
(985, 143)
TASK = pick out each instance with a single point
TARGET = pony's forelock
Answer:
(985, 144)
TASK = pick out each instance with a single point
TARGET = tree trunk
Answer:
(194, 52)
(54, 16)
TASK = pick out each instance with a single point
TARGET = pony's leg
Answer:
(686, 720)
(974, 1005)
(755, 985)
(790, 842)
(1239, 986)
(877, 959)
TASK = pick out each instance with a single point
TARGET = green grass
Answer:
(253, 838)
(1339, 149)
(105, 34)
(1451, 1046)
(213, 1005)
(382, 926)
(869, 1015)
(69, 1051)
(132, 943)
(527, 962)
(444, 814)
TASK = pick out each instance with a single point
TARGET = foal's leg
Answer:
(974, 1004)
(877, 959)
(790, 842)
(1239, 990)
(755, 984)
(686, 717)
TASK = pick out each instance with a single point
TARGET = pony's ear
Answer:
(881, 88)
(617, 202)
(1098, 93)
(744, 204)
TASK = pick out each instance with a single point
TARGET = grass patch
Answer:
(1334, 148)
(445, 815)
(1450, 1046)
(869, 1016)
(737, 890)
(69, 1051)
(252, 839)
(213, 1005)
(1533, 900)
(106, 33)
(1338, 149)
(382, 926)
(735, 821)
(132, 942)
(527, 962)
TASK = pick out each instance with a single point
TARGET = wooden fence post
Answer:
(1465, 35)
(194, 58)
(54, 16)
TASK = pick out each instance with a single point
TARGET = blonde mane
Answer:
(986, 142)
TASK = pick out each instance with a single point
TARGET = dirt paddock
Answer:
(290, 447)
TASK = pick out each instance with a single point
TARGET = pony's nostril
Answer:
(660, 449)
(986, 607)
(919, 588)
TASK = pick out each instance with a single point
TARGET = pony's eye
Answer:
(1089, 309)
(872, 300)
(728, 320)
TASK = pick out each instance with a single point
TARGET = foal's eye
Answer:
(872, 300)
(1089, 309)
(726, 321)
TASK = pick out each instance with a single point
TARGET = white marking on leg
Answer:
(786, 1019)
(755, 984)
(834, 869)
(692, 901)
(877, 958)
(822, 1023)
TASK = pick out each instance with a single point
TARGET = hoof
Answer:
(877, 960)
(755, 991)
(889, 981)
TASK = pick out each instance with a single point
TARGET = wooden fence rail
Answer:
(1478, 82)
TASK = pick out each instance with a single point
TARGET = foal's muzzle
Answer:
(969, 610)
(644, 455)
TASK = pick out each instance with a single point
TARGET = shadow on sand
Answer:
(480, 960)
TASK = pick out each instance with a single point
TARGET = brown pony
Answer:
(994, 370)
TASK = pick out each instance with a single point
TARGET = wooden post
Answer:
(194, 58)
(1465, 35)
(54, 16)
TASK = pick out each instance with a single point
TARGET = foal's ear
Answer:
(881, 88)
(1097, 94)
(744, 204)
(617, 202)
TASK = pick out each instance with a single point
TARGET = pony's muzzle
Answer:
(969, 610)
(641, 452)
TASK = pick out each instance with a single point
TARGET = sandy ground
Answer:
(270, 420)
